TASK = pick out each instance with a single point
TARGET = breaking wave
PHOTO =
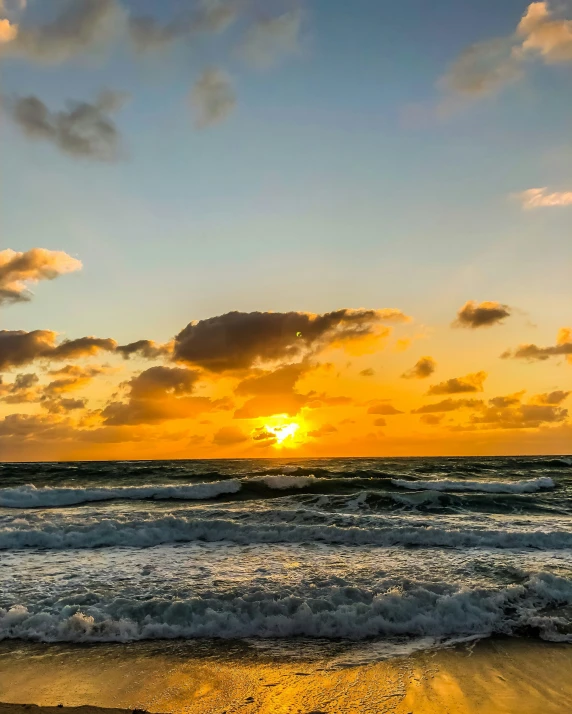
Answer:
(413, 609)
(529, 486)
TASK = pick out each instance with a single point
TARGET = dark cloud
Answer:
(64, 405)
(212, 97)
(81, 26)
(24, 427)
(229, 436)
(383, 409)
(369, 372)
(460, 385)
(431, 419)
(239, 340)
(449, 405)
(484, 314)
(160, 394)
(19, 269)
(507, 401)
(533, 353)
(147, 349)
(324, 430)
(262, 434)
(18, 347)
(522, 416)
(551, 398)
(83, 130)
(81, 347)
(423, 368)
(380, 422)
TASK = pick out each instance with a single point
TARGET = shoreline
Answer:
(494, 675)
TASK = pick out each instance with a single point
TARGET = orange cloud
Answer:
(422, 369)
(18, 270)
(460, 385)
(531, 352)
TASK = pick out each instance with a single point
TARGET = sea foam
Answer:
(527, 486)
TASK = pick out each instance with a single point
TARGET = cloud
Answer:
(507, 401)
(81, 26)
(24, 427)
(18, 347)
(369, 372)
(431, 419)
(383, 409)
(160, 394)
(240, 340)
(483, 68)
(540, 198)
(460, 385)
(229, 436)
(17, 269)
(380, 422)
(83, 130)
(486, 67)
(212, 98)
(147, 349)
(269, 39)
(70, 378)
(272, 392)
(324, 430)
(422, 369)
(533, 353)
(545, 36)
(21, 391)
(8, 31)
(523, 416)
(449, 405)
(484, 314)
(64, 405)
(551, 398)
(210, 16)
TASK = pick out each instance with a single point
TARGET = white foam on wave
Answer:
(31, 497)
(286, 481)
(410, 609)
(146, 530)
(527, 486)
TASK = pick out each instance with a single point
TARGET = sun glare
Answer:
(283, 432)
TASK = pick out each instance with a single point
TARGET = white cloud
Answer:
(540, 198)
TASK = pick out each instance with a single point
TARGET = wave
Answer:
(143, 531)
(402, 609)
(31, 497)
(286, 481)
(529, 486)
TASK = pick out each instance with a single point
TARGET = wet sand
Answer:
(494, 676)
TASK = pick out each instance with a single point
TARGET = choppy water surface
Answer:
(406, 552)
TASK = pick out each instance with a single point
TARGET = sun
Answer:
(283, 433)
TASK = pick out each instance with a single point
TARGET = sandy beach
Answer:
(500, 676)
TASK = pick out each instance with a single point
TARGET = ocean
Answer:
(398, 554)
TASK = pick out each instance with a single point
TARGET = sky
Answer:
(258, 228)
